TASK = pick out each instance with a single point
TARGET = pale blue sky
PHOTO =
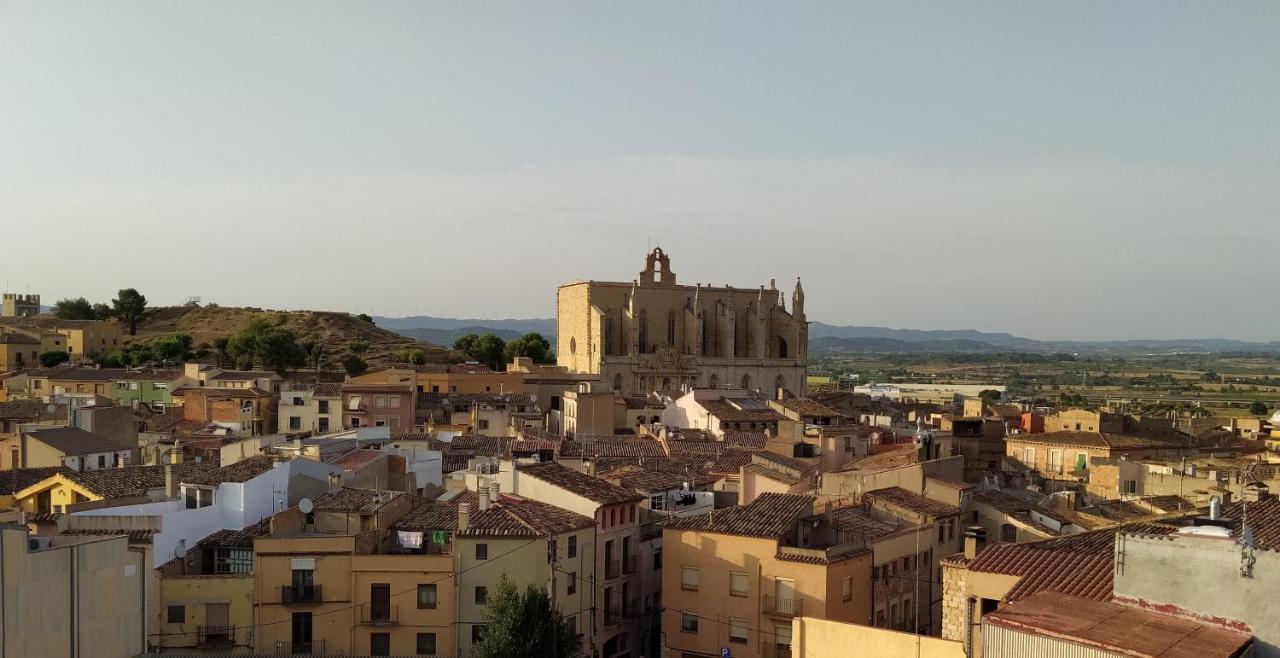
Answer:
(1057, 170)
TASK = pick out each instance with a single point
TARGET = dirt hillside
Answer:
(337, 330)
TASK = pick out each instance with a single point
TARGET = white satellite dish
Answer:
(180, 551)
(306, 505)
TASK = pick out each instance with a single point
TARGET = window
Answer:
(572, 622)
(380, 421)
(655, 502)
(688, 622)
(322, 425)
(1055, 461)
(426, 644)
(572, 588)
(657, 558)
(394, 401)
(297, 401)
(1129, 487)
(380, 644)
(177, 614)
(323, 407)
(482, 551)
(233, 560)
(573, 546)
(295, 422)
(483, 424)
(133, 386)
(1029, 457)
(942, 532)
(379, 400)
(427, 596)
(1008, 533)
(737, 583)
(846, 589)
(102, 461)
(738, 630)
(689, 577)
(482, 595)
(895, 615)
(477, 632)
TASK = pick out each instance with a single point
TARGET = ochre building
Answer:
(654, 334)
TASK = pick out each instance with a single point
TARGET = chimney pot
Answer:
(484, 498)
(170, 482)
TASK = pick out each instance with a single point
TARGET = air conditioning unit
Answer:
(37, 543)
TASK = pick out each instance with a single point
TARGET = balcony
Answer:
(629, 565)
(301, 595)
(310, 648)
(612, 616)
(783, 607)
(612, 569)
(379, 615)
(215, 637)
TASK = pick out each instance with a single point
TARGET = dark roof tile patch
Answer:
(515, 516)
(350, 499)
(73, 441)
(591, 488)
(904, 499)
(771, 515)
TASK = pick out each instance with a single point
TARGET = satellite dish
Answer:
(306, 505)
(180, 551)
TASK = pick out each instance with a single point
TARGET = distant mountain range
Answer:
(834, 339)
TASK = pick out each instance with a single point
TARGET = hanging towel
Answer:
(409, 539)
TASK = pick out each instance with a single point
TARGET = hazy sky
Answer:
(1077, 170)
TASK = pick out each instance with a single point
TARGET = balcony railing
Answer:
(629, 564)
(612, 569)
(783, 607)
(310, 648)
(379, 615)
(215, 637)
(300, 595)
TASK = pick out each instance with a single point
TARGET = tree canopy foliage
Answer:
(487, 349)
(74, 309)
(128, 307)
(524, 625)
(266, 345)
(532, 345)
(52, 358)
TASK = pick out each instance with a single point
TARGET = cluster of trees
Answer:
(524, 625)
(128, 307)
(496, 353)
(166, 350)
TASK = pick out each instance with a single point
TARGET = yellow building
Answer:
(83, 599)
(337, 582)
(18, 350)
(57, 491)
(531, 543)
(451, 378)
(206, 596)
(84, 338)
(738, 577)
(823, 638)
(653, 335)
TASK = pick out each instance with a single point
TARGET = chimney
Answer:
(484, 498)
(464, 517)
(495, 490)
(170, 482)
(1256, 492)
(975, 539)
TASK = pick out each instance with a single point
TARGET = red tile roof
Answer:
(591, 488)
(771, 515)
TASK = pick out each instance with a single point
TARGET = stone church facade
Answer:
(653, 334)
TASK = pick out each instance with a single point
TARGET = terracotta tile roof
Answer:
(72, 441)
(133, 481)
(1264, 521)
(747, 440)
(350, 499)
(900, 497)
(777, 475)
(660, 479)
(1078, 565)
(151, 374)
(75, 374)
(591, 488)
(242, 471)
(730, 461)
(15, 338)
(356, 459)
(429, 516)
(895, 457)
(1117, 629)
(807, 407)
(372, 387)
(486, 446)
(242, 538)
(628, 447)
(948, 482)
(21, 478)
(29, 410)
(514, 516)
(771, 515)
(1168, 504)
(135, 536)
(327, 390)
(451, 462)
(490, 398)
(214, 392)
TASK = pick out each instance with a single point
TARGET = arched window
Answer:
(671, 328)
(608, 336)
(617, 382)
(708, 337)
(666, 384)
(714, 382)
(746, 382)
(782, 347)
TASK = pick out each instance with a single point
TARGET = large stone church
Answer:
(653, 334)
